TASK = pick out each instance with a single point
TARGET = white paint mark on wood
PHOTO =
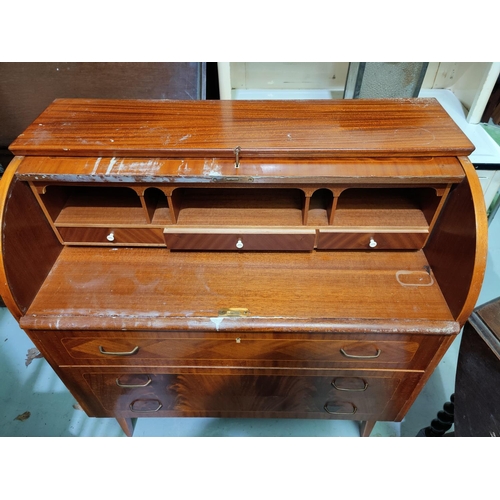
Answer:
(211, 168)
(96, 165)
(217, 322)
(111, 165)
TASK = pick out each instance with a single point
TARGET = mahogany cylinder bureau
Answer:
(304, 259)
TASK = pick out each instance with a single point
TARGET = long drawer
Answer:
(330, 239)
(112, 236)
(342, 394)
(273, 239)
(241, 350)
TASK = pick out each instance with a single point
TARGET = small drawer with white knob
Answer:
(112, 236)
(240, 240)
(332, 239)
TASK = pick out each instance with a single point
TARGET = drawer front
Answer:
(240, 240)
(240, 350)
(340, 394)
(332, 240)
(112, 236)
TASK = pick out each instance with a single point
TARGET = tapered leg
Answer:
(127, 424)
(366, 427)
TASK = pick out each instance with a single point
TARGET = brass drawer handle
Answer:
(354, 410)
(109, 353)
(131, 406)
(355, 356)
(132, 386)
(350, 390)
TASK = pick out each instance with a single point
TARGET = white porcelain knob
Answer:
(372, 243)
(239, 243)
(111, 236)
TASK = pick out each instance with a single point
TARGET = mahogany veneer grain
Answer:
(207, 129)
(104, 283)
(349, 171)
(244, 394)
(344, 329)
(242, 349)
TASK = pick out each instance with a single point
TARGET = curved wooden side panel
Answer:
(457, 248)
(5, 184)
(28, 245)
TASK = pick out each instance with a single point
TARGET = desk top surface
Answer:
(262, 129)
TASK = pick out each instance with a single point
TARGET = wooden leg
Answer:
(366, 427)
(127, 424)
